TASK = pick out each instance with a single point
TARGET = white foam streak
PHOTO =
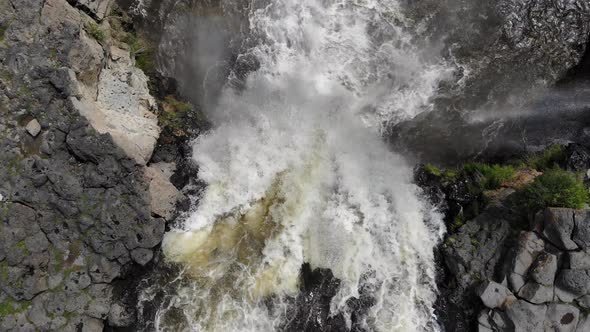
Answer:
(346, 202)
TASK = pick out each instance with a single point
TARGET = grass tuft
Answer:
(555, 188)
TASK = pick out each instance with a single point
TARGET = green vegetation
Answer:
(174, 112)
(550, 158)
(446, 175)
(95, 32)
(458, 222)
(3, 33)
(490, 176)
(10, 307)
(555, 188)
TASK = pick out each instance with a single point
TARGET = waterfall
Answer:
(297, 172)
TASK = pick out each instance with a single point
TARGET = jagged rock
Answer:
(142, 256)
(494, 295)
(574, 281)
(163, 193)
(97, 8)
(582, 231)
(33, 127)
(579, 260)
(64, 79)
(584, 301)
(577, 158)
(584, 324)
(473, 251)
(124, 107)
(561, 318)
(536, 293)
(544, 269)
(529, 247)
(525, 316)
(121, 316)
(493, 320)
(559, 226)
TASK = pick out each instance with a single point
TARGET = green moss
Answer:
(10, 307)
(4, 270)
(3, 33)
(490, 176)
(95, 32)
(550, 158)
(555, 188)
(58, 259)
(433, 170)
(22, 246)
(458, 222)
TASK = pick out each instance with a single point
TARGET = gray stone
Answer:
(90, 324)
(530, 245)
(163, 193)
(37, 243)
(525, 316)
(561, 318)
(559, 226)
(96, 8)
(142, 256)
(544, 269)
(102, 270)
(121, 316)
(584, 324)
(536, 293)
(33, 127)
(494, 295)
(584, 301)
(579, 260)
(562, 295)
(574, 281)
(582, 231)
(64, 79)
(472, 252)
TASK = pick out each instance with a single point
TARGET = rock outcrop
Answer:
(76, 130)
(540, 281)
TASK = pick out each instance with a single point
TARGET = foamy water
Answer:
(296, 172)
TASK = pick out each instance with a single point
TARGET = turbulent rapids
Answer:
(297, 172)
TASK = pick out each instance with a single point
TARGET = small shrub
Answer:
(95, 32)
(555, 188)
(548, 159)
(490, 176)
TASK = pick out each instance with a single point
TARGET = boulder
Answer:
(584, 324)
(574, 281)
(163, 193)
(536, 293)
(579, 260)
(559, 226)
(494, 295)
(121, 316)
(530, 245)
(525, 316)
(561, 318)
(582, 231)
(124, 107)
(98, 9)
(544, 269)
(33, 128)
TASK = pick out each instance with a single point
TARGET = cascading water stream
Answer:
(296, 172)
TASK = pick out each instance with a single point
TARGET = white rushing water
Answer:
(296, 172)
